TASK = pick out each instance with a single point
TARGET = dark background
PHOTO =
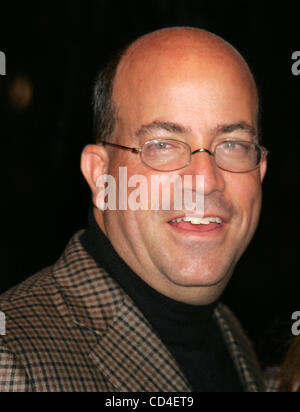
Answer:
(54, 51)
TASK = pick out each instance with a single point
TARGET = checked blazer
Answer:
(72, 328)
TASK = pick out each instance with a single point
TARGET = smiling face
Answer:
(189, 86)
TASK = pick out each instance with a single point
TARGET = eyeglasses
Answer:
(167, 155)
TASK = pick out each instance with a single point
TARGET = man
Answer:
(132, 304)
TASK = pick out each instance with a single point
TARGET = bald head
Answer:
(167, 52)
(180, 42)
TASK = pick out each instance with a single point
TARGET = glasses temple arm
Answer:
(132, 149)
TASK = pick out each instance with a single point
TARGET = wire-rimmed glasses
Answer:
(167, 155)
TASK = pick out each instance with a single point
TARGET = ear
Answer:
(263, 168)
(94, 163)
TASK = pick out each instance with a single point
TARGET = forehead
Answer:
(176, 81)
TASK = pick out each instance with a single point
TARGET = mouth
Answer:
(197, 224)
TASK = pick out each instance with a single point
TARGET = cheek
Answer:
(246, 195)
(128, 170)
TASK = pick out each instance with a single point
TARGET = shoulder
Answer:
(42, 290)
(41, 347)
(37, 283)
(30, 307)
(36, 307)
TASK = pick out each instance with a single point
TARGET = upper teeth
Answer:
(198, 220)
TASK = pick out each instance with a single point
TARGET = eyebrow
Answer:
(230, 128)
(180, 129)
(161, 126)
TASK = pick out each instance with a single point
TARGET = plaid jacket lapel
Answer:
(241, 350)
(128, 352)
(133, 358)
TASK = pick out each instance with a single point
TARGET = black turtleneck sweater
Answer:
(188, 331)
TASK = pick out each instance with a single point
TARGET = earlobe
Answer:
(263, 169)
(94, 163)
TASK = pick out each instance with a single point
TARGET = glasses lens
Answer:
(166, 155)
(238, 156)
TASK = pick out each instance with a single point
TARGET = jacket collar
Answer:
(241, 350)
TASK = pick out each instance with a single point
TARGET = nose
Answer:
(203, 163)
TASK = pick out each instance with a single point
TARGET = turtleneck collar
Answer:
(175, 322)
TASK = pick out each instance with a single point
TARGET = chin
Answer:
(197, 290)
(199, 279)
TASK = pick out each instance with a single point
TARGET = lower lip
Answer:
(189, 228)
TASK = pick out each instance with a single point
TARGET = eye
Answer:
(234, 146)
(165, 149)
(162, 145)
(159, 146)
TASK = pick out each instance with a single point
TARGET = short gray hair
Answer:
(104, 109)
